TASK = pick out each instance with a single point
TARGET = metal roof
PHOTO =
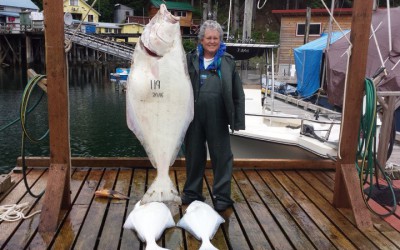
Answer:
(26, 4)
(8, 13)
(108, 25)
(172, 5)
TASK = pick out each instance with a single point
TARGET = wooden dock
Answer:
(274, 209)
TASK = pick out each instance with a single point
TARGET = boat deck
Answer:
(273, 209)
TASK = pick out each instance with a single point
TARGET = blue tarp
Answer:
(308, 60)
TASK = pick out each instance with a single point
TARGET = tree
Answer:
(39, 3)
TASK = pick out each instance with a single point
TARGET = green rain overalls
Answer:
(210, 124)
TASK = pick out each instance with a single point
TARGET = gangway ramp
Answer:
(99, 44)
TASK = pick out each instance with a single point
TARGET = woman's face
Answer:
(210, 42)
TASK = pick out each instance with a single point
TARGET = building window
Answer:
(179, 13)
(76, 16)
(73, 2)
(315, 29)
(90, 18)
(126, 13)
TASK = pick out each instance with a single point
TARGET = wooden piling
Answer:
(57, 196)
(347, 192)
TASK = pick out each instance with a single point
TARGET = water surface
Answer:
(97, 116)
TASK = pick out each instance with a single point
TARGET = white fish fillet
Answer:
(202, 222)
(149, 221)
(159, 99)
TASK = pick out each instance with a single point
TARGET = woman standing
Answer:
(219, 103)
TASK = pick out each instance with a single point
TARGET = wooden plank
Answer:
(302, 231)
(361, 18)
(351, 180)
(324, 178)
(151, 175)
(331, 174)
(42, 83)
(129, 239)
(234, 231)
(384, 228)
(330, 184)
(173, 237)
(264, 216)
(88, 234)
(219, 240)
(57, 195)
(19, 190)
(189, 240)
(112, 228)
(322, 222)
(180, 181)
(55, 198)
(323, 191)
(16, 179)
(37, 180)
(73, 222)
(23, 229)
(27, 231)
(39, 161)
(5, 183)
(355, 235)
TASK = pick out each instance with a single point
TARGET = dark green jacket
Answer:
(232, 88)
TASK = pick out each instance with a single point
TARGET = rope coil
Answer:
(15, 212)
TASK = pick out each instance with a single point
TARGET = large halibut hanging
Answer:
(159, 99)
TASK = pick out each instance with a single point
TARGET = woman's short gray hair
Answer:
(211, 25)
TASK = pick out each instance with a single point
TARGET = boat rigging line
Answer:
(348, 53)
(258, 4)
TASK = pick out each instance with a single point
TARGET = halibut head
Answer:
(159, 99)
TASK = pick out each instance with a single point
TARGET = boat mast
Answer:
(328, 42)
(229, 19)
(389, 25)
(248, 15)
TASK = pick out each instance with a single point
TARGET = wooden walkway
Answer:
(272, 210)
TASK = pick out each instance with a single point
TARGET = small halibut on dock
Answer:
(149, 221)
(201, 221)
(159, 99)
